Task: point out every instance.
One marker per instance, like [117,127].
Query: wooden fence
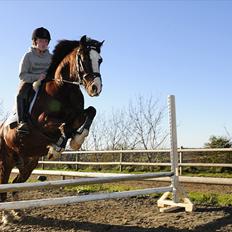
[182,152]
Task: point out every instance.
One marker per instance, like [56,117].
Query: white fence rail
[181,163]
[182,179]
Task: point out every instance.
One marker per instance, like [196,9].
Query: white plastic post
[178,194]
[173,146]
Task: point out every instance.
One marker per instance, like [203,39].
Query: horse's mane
[62,49]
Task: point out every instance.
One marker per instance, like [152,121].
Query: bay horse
[58,112]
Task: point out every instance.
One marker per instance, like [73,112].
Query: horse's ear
[83,40]
[101,43]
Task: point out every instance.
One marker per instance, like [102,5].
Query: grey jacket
[33,64]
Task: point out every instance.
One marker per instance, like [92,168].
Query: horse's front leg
[83,129]
[78,130]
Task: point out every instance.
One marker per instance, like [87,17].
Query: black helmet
[41,33]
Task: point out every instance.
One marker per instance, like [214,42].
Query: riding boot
[21,108]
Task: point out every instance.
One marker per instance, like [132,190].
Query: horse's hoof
[17,215]
[75,146]
[78,140]
[53,153]
[50,156]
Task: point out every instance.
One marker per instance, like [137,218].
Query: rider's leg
[22,108]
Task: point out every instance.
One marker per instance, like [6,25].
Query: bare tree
[228,134]
[112,130]
[146,122]
[96,138]
[137,126]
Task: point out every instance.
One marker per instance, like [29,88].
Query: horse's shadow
[89,226]
[75,225]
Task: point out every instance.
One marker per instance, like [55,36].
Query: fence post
[42,163]
[173,143]
[77,159]
[120,161]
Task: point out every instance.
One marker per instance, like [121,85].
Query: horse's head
[78,62]
[88,61]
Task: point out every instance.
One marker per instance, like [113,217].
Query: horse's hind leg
[6,216]
[24,173]
[6,165]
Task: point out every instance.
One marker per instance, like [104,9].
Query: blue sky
[151,48]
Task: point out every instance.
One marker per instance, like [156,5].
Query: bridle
[81,67]
[82,70]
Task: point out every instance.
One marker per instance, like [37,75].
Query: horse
[58,113]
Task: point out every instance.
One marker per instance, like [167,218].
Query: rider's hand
[42,76]
[36,85]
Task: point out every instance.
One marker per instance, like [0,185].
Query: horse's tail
[2,132]
[3,164]
[1,146]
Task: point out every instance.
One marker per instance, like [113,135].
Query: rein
[71,82]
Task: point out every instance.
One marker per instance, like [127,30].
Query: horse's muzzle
[95,88]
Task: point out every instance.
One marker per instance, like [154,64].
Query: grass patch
[91,170]
[100,188]
[211,199]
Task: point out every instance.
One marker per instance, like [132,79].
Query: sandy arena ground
[137,214]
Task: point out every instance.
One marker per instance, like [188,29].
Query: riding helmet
[41,33]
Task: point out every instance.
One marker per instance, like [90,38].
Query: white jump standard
[178,197]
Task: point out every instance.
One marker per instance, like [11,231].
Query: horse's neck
[67,69]
[52,90]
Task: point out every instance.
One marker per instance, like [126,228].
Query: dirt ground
[137,214]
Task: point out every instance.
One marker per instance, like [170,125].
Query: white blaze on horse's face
[96,86]
[95,57]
